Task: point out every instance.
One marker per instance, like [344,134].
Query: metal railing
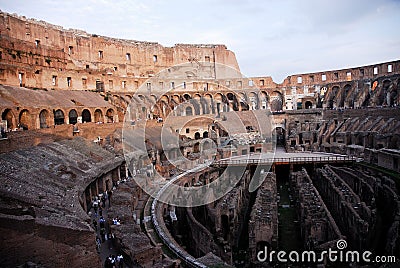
[287,160]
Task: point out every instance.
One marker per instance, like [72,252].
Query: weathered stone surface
[42,219]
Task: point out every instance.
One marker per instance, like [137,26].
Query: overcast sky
[270,38]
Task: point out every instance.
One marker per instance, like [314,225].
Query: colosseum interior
[69,99]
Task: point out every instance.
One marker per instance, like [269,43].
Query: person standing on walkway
[120,261]
[109,197]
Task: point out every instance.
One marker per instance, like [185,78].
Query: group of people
[116,221]
[113,261]
[100,225]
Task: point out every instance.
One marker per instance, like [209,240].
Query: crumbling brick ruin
[67,96]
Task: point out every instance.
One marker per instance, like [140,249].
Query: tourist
[116,221]
[95,224]
[102,222]
[109,198]
[120,261]
[103,235]
[103,199]
[98,243]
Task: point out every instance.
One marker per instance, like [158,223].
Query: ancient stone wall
[38,54]
[263,222]
[318,227]
[43,207]
[354,217]
[377,207]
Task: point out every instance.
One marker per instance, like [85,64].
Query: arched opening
[308,105]
[196,147]
[386,93]
[98,116]
[393,95]
[207,144]
[233,103]
[73,117]
[86,116]
[187,97]
[110,115]
[196,105]
[244,106]
[331,97]
[276,101]
[188,111]
[9,117]
[25,119]
[280,136]
[347,90]
[264,100]
[59,117]
[205,134]
[206,104]
[253,101]
[44,118]
[197,135]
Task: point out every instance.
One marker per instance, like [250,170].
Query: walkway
[107,246]
[281,158]
[162,230]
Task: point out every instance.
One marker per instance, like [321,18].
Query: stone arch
[205,134]
[386,92]
[276,101]
[207,104]
[44,118]
[98,116]
[129,97]
[341,95]
[73,117]
[330,99]
[280,134]
[393,94]
[264,100]
[220,103]
[25,120]
[308,104]
[86,116]
[253,101]
[110,115]
[196,106]
[197,96]
[197,136]
[196,146]
[165,105]
[206,144]
[155,110]
[243,101]
[187,96]
[153,98]
[347,100]
[9,116]
[59,117]
[233,101]
[188,111]
[196,102]
[176,98]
